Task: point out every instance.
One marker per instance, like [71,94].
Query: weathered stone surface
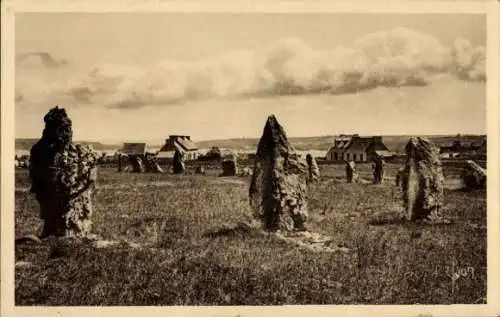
[351,173]
[473,175]
[378,170]
[63,178]
[178,163]
[313,169]
[120,162]
[152,165]
[156,167]
[229,166]
[137,164]
[278,190]
[423,180]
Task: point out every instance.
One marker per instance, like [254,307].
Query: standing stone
[154,167]
[119,157]
[423,180]
[473,175]
[151,164]
[399,176]
[313,169]
[351,173]
[63,178]
[378,170]
[229,166]
[178,163]
[278,190]
[137,164]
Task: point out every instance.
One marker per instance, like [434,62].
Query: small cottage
[336,152]
[463,149]
[357,149]
[132,149]
[181,143]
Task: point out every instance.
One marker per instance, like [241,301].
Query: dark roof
[181,144]
[457,146]
[356,143]
[341,142]
[134,148]
[360,144]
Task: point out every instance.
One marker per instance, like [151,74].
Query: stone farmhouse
[464,149]
[132,149]
[357,149]
[181,143]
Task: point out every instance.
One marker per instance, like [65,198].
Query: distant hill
[302,143]
[395,143]
[26,144]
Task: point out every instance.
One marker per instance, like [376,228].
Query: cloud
[38,59]
[468,61]
[393,58]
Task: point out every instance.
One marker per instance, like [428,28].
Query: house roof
[460,146]
[360,144]
[134,148]
[180,144]
[356,143]
[341,144]
[187,144]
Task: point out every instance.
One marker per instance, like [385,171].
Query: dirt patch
[224,180]
[312,241]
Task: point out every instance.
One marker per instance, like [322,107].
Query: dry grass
[191,261]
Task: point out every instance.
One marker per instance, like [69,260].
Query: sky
[133,76]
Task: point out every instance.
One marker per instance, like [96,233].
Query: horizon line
[107,141]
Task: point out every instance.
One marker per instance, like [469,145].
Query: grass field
[391,262]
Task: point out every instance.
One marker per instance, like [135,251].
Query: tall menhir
[278,191]
[63,176]
[423,180]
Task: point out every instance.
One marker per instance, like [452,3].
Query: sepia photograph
[250,158]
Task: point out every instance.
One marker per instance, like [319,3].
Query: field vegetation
[177,248]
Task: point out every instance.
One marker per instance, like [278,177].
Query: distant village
[359,149]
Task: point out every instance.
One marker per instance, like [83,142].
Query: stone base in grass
[311,241]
